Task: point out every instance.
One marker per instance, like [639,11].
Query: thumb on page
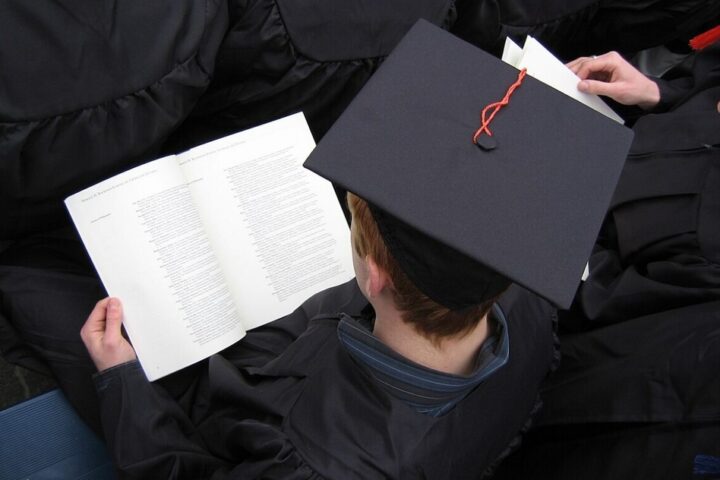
[597,87]
[113,321]
[112,349]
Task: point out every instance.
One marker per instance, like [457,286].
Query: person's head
[462,216]
[430,319]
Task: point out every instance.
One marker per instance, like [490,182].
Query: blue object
[707,465]
[43,438]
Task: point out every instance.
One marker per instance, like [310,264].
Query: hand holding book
[102,335]
[215,241]
[544,66]
[612,76]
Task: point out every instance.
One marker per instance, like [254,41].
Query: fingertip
[99,311]
[583,86]
[583,71]
[113,307]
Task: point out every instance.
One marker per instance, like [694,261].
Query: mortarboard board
[527,206]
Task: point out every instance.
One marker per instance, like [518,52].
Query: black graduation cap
[528,205]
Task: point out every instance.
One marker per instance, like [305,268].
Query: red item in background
[705,39]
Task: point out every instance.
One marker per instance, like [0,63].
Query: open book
[544,66]
[222,238]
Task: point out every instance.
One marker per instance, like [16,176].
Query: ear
[377,279]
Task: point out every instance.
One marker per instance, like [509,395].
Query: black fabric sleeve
[671,92]
[147,432]
[700,72]
[151,434]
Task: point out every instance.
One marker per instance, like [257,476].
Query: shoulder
[532,324]
[521,305]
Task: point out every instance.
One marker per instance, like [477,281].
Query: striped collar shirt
[428,391]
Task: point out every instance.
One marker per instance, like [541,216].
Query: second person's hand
[612,76]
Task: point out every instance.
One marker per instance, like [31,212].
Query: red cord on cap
[484,127]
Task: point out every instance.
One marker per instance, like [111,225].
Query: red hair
[429,318]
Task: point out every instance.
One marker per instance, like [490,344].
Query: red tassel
[485,121]
[705,39]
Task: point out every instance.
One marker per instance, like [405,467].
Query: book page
[276,227]
[544,66]
[150,249]
[512,53]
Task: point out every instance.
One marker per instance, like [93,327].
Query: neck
[454,355]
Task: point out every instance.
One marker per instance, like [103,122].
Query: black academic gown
[288,401]
[637,394]
[109,86]
[660,247]
[572,28]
